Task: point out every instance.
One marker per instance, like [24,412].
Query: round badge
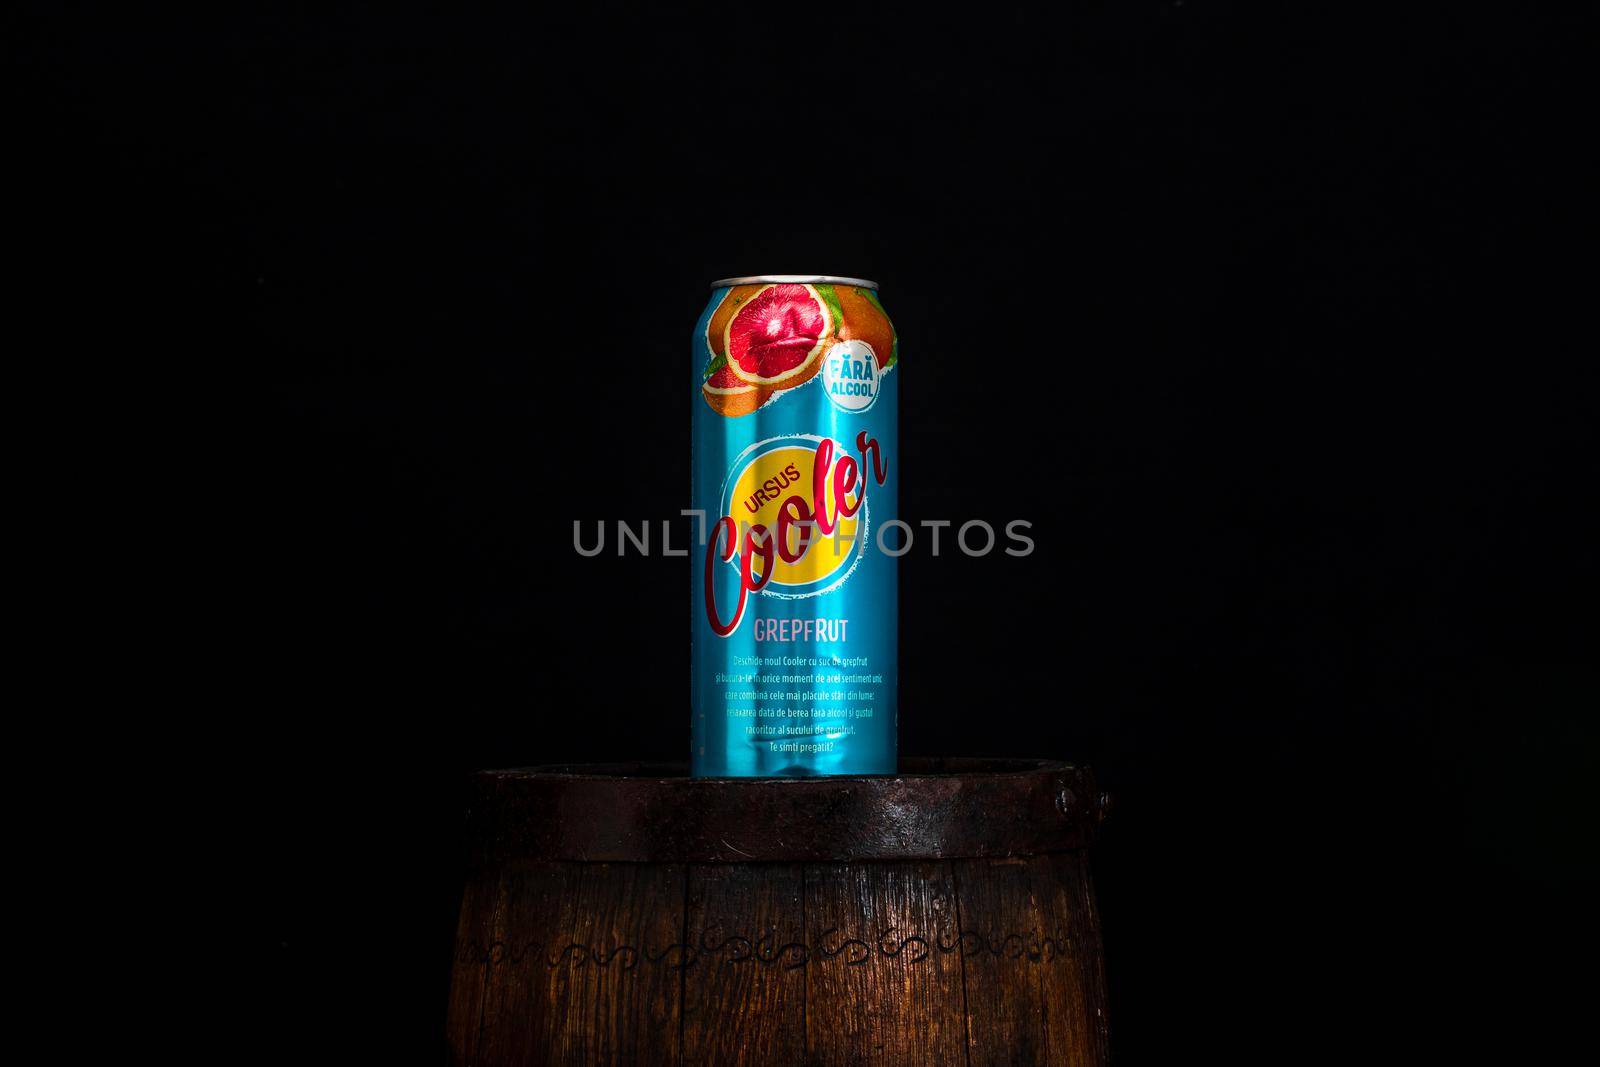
[850,376]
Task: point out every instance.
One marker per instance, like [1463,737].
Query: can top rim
[793,279]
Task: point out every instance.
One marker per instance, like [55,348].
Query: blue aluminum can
[794,580]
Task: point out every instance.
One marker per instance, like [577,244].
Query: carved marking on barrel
[848,946]
[765,950]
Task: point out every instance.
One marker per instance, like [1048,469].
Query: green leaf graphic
[831,298]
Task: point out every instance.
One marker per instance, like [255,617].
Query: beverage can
[795,462]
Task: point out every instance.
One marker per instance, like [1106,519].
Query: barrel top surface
[653,813]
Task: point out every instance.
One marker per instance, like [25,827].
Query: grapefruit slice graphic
[732,396]
[717,327]
[777,337]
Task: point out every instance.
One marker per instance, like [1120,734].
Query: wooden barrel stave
[740,998]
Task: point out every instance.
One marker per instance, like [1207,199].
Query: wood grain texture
[878,989]
[745,996]
[1031,954]
[514,1005]
[1072,877]
[1004,1001]
[570,981]
[475,932]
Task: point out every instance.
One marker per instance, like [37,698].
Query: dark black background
[1272,322]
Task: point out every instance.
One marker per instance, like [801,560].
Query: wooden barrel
[633,915]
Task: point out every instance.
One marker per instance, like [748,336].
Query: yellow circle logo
[782,481]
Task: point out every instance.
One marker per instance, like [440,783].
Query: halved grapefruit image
[765,339]
[777,337]
[732,396]
[717,326]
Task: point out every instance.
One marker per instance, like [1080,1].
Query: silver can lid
[793,279]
